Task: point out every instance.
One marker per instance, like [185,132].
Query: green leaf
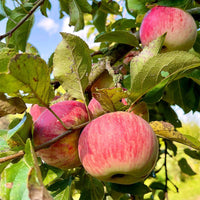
[85,6]
[28,78]
[195,75]
[171,146]
[2,167]
[76,15]
[11,105]
[185,4]
[147,76]
[137,6]
[147,53]
[110,7]
[110,99]
[36,187]
[184,93]
[119,36]
[89,188]
[2,13]
[11,186]
[122,24]
[61,187]
[72,65]
[167,131]
[192,153]
[157,186]
[3,144]
[5,55]
[43,8]
[65,194]
[196,45]
[185,167]
[19,38]
[23,180]
[18,135]
[99,20]
[163,111]
[134,189]
[31,49]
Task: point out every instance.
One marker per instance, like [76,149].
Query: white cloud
[48,25]
[189,117]
[82,33]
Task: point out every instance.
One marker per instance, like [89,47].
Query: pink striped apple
[64,153]
[179,25]
[95,108]
[118,147]
[36,111]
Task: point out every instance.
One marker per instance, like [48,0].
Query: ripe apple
[36,111]
[63,153]
[95,108]
[118,147]
[179,25]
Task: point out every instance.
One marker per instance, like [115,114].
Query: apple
[95,108]
[179,25]
[63,153]
[36,111]
[118,147]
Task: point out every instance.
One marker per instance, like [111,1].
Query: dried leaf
[11,105]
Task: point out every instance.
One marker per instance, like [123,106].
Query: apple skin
[180,27]
[62,154]
[118,147]
[95,108]
[36,111]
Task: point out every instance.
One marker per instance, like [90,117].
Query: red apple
[36,111]
[95,108]
[64,153]
[179,25]
[118,147]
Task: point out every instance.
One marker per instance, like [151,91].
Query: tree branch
[166,172]
[44,145]
[9,33]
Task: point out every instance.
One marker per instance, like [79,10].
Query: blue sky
[45,36]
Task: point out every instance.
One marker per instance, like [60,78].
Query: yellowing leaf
[167,131]
[110,99]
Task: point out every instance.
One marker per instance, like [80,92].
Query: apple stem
[58,118]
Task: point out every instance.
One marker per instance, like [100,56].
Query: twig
[9,33]
[96,53]
[11,157]
[52,141]
[44,145]
[58,118]
[166,172]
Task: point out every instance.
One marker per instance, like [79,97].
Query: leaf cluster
[121,75]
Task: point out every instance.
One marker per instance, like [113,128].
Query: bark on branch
[44,145]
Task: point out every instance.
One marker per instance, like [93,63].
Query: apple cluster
[118,147]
